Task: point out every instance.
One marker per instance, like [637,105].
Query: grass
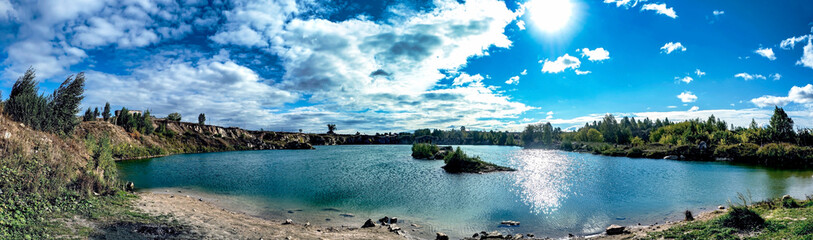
[46,180]
[772,219]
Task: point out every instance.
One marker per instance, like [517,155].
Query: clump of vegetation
[458,162]
[174,117]
[424,150]
[54,113]
[466,136]
[773,219]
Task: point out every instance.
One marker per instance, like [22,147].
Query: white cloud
[671,106]
[561,63]
[513,80]
[685,79]
[694,109]
[7,11]
[687,97]
[580,72]
[699,73]
[216,86]
[660,9]
[767,53]
[521,24]
[597,54]
[549,115]
[465,78]
[790,43]
[524,72]
[718,12]
[54,35]
[748,76]
[624,3]
[807,55]
[800,95]
[775,76]
[672,46]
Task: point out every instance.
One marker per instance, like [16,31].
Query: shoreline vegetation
[456,160]
[59,178]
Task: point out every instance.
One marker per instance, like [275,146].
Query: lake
[553,193]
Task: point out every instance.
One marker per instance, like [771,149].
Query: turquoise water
[553,193]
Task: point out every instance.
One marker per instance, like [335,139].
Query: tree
[24,104]
[174,117]
[146,123]
[65,104]
[88,116]
[95,113]
[201,119]
[106,112]
[780,129]
[331,128]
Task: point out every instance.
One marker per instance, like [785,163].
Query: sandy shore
[214,222]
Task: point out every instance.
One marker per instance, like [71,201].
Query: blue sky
[374,66]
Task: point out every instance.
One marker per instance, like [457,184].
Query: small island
[456,160]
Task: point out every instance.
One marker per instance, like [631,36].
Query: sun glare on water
[549,15]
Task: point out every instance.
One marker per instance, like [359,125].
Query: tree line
[753,144]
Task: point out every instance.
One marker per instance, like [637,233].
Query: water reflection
[542,180]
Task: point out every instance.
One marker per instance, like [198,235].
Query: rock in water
[129,186]
[385,219]
[615,230]
[441,236]
[369,223]
[786,197]
[510,223]
[721,207]
[394,220]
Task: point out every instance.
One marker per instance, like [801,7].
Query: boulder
[130,186]
[786,197]
[721,207]
[288,222]
[393,228]
[393,220]
[491,235]
[385,219]
[441,236]
[671,157]
[369,223]
[615,230]
[510,223]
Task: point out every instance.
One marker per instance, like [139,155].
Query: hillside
[183,137]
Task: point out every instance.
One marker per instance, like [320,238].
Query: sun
[549,15]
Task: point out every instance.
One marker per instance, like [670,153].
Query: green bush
[742,218]
[424,150]
[789,203]
[785,155]
[743,152]
[804,229]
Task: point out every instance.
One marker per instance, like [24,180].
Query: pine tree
[106,112]
[201,119]
[146,122]
[24,104]
[65,104]
[88,116]
[96,113]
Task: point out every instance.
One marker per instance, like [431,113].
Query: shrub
[174,117]
[567,146]
[804,229]
[743,152]
[785,155]
[424,150]
[742,218]
[789,203]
